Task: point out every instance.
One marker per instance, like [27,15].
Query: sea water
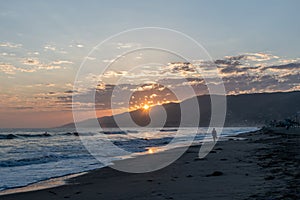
[32,155]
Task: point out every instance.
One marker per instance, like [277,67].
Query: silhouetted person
[214,134]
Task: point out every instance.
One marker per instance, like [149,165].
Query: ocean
[32,155]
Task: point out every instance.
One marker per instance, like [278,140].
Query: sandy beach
[265,165]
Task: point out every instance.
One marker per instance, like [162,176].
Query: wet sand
[266,165]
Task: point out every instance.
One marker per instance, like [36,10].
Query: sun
[146,107]
[150,151]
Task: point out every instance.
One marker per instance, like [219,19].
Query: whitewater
[31,155]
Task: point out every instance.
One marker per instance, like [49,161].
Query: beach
[255,165]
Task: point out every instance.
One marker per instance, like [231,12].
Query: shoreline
[63,180]
[232,168]
[44,184]
[68,178]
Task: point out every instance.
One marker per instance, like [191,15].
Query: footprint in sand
[215,173]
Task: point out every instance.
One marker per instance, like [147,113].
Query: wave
[71,134]
[169,130]
[17,135]
[34,135]
[30,161]
[35,160]
[141,144]
[7,136]
[113,132]
[42,135]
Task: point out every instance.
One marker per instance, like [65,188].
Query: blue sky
[43,43]
[223,27]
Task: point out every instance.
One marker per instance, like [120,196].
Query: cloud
[147,87]
[28,65]
[11,69]
[228,62]
[183,68]
[41,85]
[8,54]
[49,47]
[252,57]
[59,62]
[7,68]
[111,74]
[52,47]
[234,58]
[290,66]
[30,61]
[194,81]
[48,67]
[69,92]
[50,85]
[76,44]
[121,45]
[250,72]
[36,65]
[149,93]
[260,56]
[240,74]
[287,61]
[79,45]
[10,45]
[248,63]
[36,53]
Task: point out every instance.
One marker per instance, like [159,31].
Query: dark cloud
[291,79]
[69,92]
[232,69]
[235,58]
[65,99]
[146,93]
[180,67]
[237,76]
[291,66]
[228,62]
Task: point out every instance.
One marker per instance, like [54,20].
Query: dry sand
[264,166]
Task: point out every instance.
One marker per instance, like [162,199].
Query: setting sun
[150,151]
[146,107]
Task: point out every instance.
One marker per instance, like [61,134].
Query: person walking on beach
[214,134]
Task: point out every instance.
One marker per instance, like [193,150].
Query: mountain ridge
[242,110]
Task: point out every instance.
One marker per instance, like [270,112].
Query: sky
[254,46]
